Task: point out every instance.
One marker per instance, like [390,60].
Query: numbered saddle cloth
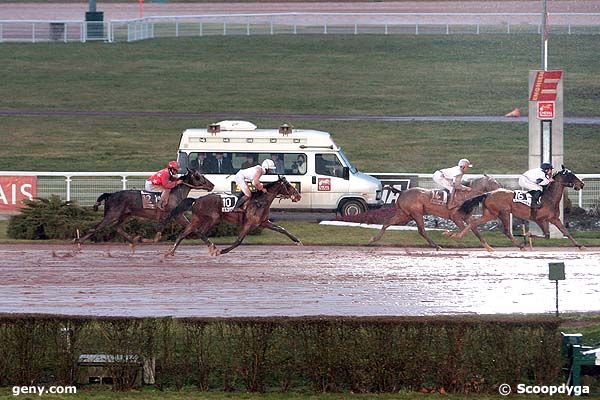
[439,196]
[523,197]
[150,200]
[228,201]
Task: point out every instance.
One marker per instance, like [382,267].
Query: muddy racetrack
[290,280]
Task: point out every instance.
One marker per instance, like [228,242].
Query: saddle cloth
[228,201]
[439,196]
[150,200]
[523,197]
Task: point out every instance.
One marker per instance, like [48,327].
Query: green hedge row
[370,354]
[53,218]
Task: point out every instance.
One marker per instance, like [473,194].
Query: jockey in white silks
[252,174]
[534,180]
[451,178]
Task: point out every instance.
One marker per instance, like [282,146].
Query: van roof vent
[236,126]
[285,129]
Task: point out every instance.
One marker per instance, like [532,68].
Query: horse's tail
[468,206]
[99,200]
[182,207]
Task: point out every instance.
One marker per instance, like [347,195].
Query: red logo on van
[15,189]
[324,185]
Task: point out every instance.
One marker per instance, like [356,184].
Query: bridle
[199,187]
[287,194]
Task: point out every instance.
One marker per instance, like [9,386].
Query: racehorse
[500,204]
[207,212]
[414,203]
[121,205]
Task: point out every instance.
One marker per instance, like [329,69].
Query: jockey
[163,181]
[253,175]
[450,178]
[534,181]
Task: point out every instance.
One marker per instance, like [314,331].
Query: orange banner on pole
[545,85]
[15,189]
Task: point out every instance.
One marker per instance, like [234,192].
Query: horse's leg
[485,217]
[557,222]
[192,226]
[460,223]
[399,218]
[106,221]
[181,220]
[243,233]
[504,217]
[270,225]
[421,227]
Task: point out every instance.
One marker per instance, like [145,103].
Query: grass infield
[348,75]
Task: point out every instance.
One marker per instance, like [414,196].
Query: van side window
[328,164]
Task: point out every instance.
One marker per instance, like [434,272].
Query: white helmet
[268,164]
[465,163]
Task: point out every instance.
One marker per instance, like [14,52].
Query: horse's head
[484,184]
[567,178]
[281,187]
[197,181]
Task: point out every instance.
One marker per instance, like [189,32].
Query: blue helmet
[546,166]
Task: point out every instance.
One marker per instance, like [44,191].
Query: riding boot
[164,201]
[451,200]
[241,204]
[535,198]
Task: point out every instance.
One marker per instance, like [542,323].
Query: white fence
[85,187]
[296,23]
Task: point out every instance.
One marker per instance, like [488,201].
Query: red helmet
[173,165]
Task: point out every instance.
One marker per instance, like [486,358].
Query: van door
[328,181]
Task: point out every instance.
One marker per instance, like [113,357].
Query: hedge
[53,218]
[328,354]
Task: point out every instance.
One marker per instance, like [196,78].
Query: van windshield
[353,169]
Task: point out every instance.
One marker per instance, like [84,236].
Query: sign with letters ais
[15,189]
[545,110]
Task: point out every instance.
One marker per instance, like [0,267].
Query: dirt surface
[129,10]
[290,280]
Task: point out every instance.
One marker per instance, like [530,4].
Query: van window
[328,164]
[208,163]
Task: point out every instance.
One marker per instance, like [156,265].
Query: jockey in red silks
[163,181]
[253,175]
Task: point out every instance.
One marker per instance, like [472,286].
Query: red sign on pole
[545,110]
[544,86]
[15,189]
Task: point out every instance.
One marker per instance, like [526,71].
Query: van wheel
[352,207]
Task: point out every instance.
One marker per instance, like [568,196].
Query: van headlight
[378,194]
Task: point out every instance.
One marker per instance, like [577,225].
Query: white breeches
[439,178]
[149,187]
[241,182]
[526,184]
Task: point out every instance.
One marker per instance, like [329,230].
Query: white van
[309,159]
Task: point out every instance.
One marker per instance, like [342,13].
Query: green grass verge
[312,233]
[370,74]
